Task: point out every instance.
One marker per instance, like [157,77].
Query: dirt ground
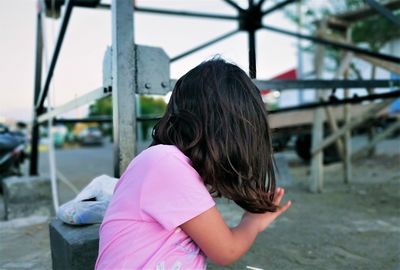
[353,226]
[347,226]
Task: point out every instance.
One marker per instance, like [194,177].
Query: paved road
[25,244]
[80,165]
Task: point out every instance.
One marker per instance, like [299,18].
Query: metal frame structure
[384,12]
[124,85]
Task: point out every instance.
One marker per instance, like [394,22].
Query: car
[90,136]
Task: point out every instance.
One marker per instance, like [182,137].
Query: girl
[214,140]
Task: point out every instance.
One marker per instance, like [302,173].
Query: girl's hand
[262,221]
[224,245]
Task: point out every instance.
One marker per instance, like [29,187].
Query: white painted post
[316,181]
[124,84]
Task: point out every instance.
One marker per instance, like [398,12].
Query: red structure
[288,75]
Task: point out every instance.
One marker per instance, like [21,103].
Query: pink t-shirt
[157,193]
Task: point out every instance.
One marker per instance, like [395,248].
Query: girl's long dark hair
[217,118]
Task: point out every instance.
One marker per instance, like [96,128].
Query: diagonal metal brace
[384,12]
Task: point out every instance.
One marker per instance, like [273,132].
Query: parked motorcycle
[12,152]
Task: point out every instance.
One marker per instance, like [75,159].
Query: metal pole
[204,45]
[33,166]
[325,84]
[124,84]
[346,100]
[252,54]
[56,52]
[384,12]
[334,44]
[260,3]
[234,5]
[278,6]
[299,70]
[186,13]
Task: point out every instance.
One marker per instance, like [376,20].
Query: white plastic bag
[90,204]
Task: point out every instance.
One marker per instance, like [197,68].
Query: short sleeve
[174,193]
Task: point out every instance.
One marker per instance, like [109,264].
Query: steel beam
[278,6]
[177,13]
[56,52]
[365,12]
[204,45]
[384,12]
[311,105]
[260,3]
[324,84]
[333,44]
[107,119]
[234,5]
[102,119]
[252,54]
[75,103]
[94,119]
[186,13]
[335,102]
[33,165]
[124,84]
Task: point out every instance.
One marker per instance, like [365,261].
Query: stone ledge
[27,195]
[73,247]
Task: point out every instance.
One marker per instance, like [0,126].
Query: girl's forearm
[242,238]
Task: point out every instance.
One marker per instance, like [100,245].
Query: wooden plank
[317,175]
[380,63]
[347,169]
[375,61]
[371,130]
[355,123]
[334,127]
[382,135]
[305,117]
[342,69]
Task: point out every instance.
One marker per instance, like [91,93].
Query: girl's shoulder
[156,154]
[165,150]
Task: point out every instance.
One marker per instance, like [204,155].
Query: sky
[79,67]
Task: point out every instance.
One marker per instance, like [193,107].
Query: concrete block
[73,247]
[27,195]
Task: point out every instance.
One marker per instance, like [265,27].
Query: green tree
[149,106]
[102,108]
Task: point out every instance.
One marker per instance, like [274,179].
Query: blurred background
[339,225]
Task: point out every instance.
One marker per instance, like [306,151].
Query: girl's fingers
[284,207]
[278,195]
